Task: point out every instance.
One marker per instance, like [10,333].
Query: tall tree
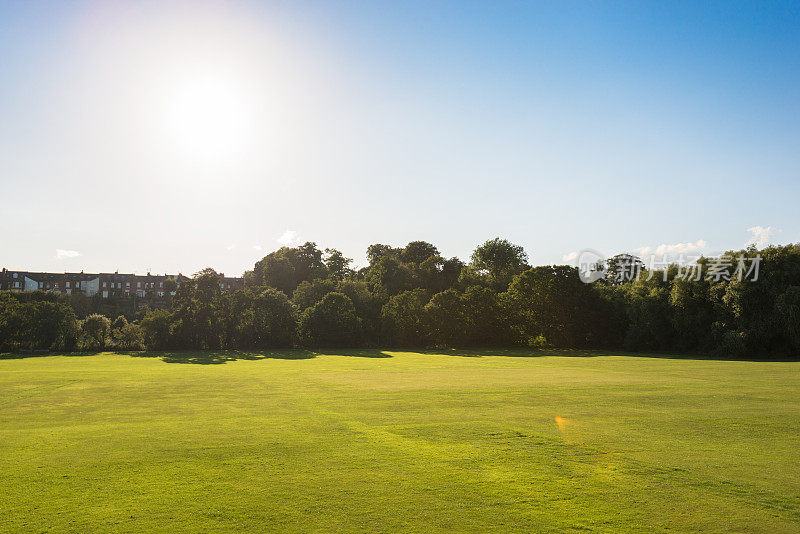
[418,251]
[285,268]
[338,266]
[498,261]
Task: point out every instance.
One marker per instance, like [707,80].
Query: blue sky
[142,137]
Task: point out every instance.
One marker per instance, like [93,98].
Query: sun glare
[207,120]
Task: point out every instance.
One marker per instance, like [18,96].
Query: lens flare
[561,422]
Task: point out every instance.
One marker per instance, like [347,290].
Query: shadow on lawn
[216,357]
[42,354]
[511,353]
[592,353]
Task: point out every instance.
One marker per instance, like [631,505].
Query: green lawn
[389,441]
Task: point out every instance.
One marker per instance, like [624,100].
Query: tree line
[412,297]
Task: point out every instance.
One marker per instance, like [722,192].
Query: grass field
[388,441]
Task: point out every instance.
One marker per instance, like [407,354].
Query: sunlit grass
[386,441]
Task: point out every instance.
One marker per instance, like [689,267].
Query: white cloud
[760,237]
[62,254]
[288,238]
[677,248]
[257,247]
[231,246]
[566,258]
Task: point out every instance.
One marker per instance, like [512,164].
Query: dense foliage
[414,297]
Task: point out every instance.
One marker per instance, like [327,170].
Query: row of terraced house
[104,284]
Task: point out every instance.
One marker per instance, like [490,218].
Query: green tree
[485,322]
[130,337]
[338,266]
[94,332]
[267,320]
[623,268]
[650,319]
[378,251]
[155,327]
[309,293]
[332,322]
[197,321]
[368,309]
[388,276]
[417,252]
[497,261]
[692,313]
[285,268]
[403,319]
[36,321]
[552,302]
[444,319]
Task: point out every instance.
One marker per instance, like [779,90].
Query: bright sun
[207,121]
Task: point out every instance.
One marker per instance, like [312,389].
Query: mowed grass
[377,441]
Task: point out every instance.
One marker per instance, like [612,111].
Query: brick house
[104,284]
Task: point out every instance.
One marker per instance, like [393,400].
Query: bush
[130,337]
[155,329]
[94,332]
[35,322]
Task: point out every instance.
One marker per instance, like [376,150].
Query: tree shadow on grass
[356,353]
[216,357]
[519,352]
[42,354]
[593,353]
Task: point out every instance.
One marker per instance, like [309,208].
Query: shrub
[155,329]
[130,337]
[31,323]
[94,332]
